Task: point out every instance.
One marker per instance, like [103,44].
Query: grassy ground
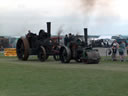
[51,78]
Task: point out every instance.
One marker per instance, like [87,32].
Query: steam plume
[98,11]
[88,5]
[60,30]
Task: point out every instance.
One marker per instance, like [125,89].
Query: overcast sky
[101,17]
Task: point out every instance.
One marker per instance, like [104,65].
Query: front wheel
[42,54]
[56,55]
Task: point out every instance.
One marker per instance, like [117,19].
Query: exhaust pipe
[49,29]
[86,36]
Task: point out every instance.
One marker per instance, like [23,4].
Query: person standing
[122,50]
[115,47]
[66,40]
[70,37]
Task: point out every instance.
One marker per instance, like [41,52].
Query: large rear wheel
[22,49]
[65,55]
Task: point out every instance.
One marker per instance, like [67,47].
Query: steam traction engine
[41,45]
[79,51]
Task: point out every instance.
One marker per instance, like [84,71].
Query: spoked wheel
[22,49]
[65,55]
[42,54]
[56,55]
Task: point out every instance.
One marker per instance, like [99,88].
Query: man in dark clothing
[66,40]
[70,37]
[122,50]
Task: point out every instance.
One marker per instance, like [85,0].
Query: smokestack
[49,29]
[86,36]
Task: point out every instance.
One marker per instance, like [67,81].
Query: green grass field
[51,78]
